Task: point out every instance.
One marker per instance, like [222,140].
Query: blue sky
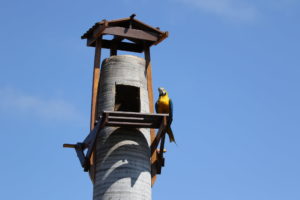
[232,68]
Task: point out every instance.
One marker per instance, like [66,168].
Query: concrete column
[122,163]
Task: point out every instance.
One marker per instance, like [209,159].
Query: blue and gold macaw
[164,105]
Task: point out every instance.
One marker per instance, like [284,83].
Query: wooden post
[151,109]
[96,78]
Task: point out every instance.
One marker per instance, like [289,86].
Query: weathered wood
[129,124]
[161,160]
[90,161]
[144,26]
[96,77]
[163,36]
[123,119]
[151,107]
[123,46]
[134,34]
[93,133]
[158,150]
[99,31]
[162,145]
[69,145]
[149,79]
[124,22]
[131,33]
[160,133]
[79,147]
[136,114]
[114,46]
[128,119]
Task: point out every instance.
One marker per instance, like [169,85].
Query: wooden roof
[139,33]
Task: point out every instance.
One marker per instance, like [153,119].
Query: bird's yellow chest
[163,104]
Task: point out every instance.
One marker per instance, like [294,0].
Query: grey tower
[122,157]
[122,161]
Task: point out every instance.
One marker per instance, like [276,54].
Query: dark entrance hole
[127,98]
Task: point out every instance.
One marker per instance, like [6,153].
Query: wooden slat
[121,22]
[119,116]
[148,26]
[122,119]
[130,124]
[123,46]
[69,145]
[131,33]
[132,114]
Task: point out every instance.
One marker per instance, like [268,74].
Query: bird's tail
[171,135]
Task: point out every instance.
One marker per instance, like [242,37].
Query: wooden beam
[114,46]
[147,26]
[131,33]
[149,78]
[99,30]
[162,146]
[123,32]
[126,119]
[96,77]
[137,114]
[151,107]
[160,133]
[80,154]
[123,46]
[69,145]
[149,86]
[90,141]
[130,124]
[163,36]
[113,52]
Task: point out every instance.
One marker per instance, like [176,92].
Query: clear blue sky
[232,68]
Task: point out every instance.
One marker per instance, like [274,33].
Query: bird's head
[162,91]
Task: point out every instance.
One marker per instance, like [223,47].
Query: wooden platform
[132,119]
[128,120]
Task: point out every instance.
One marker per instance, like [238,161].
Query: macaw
[164,105]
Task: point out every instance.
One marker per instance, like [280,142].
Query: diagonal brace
[88,143]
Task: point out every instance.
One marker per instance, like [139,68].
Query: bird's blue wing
[156,107]
[171,109]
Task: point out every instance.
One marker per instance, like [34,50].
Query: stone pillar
[122,162]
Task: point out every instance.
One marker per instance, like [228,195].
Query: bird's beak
[161,91]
